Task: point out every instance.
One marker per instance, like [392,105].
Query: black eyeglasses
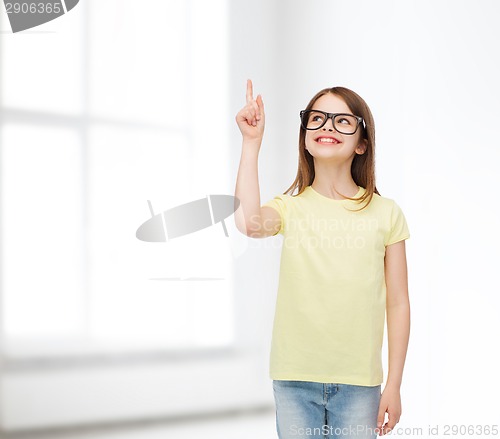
[344,123]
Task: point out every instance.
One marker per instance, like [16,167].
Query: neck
[333,178]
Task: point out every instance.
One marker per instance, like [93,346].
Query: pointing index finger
[249,91]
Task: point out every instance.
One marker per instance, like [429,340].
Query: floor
[242,425]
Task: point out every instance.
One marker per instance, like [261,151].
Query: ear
[361,148]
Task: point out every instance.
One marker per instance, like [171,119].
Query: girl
[343,266]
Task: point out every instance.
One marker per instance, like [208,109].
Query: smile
[327,140]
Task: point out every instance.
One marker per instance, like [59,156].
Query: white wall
[429,71]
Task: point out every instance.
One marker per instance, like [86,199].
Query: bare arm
[398,310]
[250,218]
[398,329]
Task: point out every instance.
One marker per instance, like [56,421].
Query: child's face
[343,146]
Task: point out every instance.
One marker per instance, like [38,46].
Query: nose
[329,121]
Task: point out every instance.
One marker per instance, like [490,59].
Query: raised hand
[251,118]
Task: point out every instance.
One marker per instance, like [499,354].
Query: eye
[316,117]
[344,121]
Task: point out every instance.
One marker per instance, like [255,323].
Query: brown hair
[362,167]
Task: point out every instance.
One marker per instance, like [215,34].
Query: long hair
[362,167]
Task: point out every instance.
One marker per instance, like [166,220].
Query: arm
[250,218]
[398,331]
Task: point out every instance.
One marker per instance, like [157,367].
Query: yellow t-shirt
[330,308]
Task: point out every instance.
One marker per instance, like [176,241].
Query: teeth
[327,140]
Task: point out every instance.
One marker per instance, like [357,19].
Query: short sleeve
[398,227]
[279,203]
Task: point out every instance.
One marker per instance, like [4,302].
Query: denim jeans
[306,409]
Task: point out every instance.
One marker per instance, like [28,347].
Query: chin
[333,155]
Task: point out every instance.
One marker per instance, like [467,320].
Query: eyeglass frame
[332,116]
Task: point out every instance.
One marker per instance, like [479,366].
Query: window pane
[43,70]
[42,231]
[136,295]
[150,65]
[209,79]
[138,66]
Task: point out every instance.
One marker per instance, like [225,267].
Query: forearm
[247,188]
[398,329]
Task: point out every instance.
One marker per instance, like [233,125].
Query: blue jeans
[307,409]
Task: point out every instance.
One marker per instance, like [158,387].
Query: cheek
[351,142]
[309,140]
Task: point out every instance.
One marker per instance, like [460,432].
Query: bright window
[101,112]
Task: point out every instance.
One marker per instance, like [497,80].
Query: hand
[251,118]
[390,402]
